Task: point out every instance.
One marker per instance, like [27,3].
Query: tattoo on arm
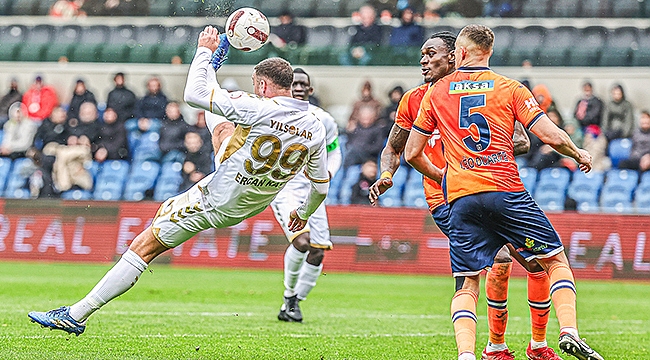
[390,156]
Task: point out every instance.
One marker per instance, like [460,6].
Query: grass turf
[181,313]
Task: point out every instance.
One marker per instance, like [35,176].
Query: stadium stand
[619,149]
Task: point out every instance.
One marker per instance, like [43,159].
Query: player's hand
[379,187]
[584,160]
[209,38]
[295,222]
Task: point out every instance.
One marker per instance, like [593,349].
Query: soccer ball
[247,29]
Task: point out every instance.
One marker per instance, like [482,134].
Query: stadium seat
[38,38]
[77,195]
[588,49]
[91,41]
[528,176]
[168,182]
[273,8]
[535,8]
[17,181]
[350,6]
[5,166]
[595,8]
[244,3]
[120,41]
[615,201]
[159,7]
[177,38]
[328,8]
[24,7]
[619,149]
[43,7]
[627,8]
[147,148]
[350,177]
[414,191]
[558,176]
[619,47]
[188,8]
[11,40]
[110,180]
[64,40]
[303,8]
[645,178]
[393,196]
[5,8]
[503,36]
[642,198]
[525,45]
[549,198]
[584,189]
[147,39]
[557,45]
[141,179]
[334,189]
[564,8]
[624,179]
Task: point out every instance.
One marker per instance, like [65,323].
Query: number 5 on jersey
[466,120]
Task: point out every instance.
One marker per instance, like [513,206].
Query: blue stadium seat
[624,179]
[584,189]
[350,177]
[110,180]
[76,195]
[619,149]
[550,198]
[146,147]
[5,166]
[645,178]
[169,181]
[393,196]
[642,198]
[16,181]
[615,201]
[64,40]
[558,175]
[142,178]
[528,176]
[414,191]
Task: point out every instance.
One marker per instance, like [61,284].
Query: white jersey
[273,141]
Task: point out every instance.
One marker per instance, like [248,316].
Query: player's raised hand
[209,38]
[379,187]
[584,162]
[296,223]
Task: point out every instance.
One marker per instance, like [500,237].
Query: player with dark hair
[438,61]
[475,111]
[276,137]
[304,256]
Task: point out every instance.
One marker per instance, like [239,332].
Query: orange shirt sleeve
[426,121]
[525,107]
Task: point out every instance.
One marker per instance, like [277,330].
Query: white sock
[466,356]
[538,344]
[571,330]
[116,282]
[307,279]
[293,260]
[495,347]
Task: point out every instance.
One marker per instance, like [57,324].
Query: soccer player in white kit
[276,137]
[304,256]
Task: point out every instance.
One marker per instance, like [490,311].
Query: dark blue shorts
[441,217]
[482,223]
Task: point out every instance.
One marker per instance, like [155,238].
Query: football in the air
[247,29]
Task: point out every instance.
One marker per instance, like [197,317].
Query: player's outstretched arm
[559,140]
[520,139]
[414,155]
[390,161]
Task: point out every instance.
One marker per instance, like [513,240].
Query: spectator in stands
[409,33]
[367,177]
[365,139]
[544,98]
[153,104]
[197,163]
[595,142]
[618,121]
[40,100]
[640,154]
[19,132]
[201,128]
[288,33]
[121,99]
[394,96]
[172,133]
[367,34]
[69,167]
[112,143]
[53,129]
[80,95]
[589,109]
[67,9]
[86,125]
[8,99]
[367,100]
[39,182]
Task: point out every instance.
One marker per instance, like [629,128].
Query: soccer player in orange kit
[475,111]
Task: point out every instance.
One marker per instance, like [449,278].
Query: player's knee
[315,256]
[301,242]
[503,256]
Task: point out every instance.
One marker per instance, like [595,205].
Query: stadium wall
[366,239]
[336,86]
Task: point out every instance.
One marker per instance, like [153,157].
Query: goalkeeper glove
[221,54]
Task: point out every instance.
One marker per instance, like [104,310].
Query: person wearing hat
[11,97]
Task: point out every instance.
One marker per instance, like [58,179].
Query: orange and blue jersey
[407,112]
[475,111]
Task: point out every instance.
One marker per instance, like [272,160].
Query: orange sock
[563,293]
[463,315]
[539,301]
[496,290]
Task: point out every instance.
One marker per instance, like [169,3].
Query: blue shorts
[482,223]
[441,217]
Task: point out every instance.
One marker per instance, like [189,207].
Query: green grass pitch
[181,313]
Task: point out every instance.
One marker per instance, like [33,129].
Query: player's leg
[318,240]
[294,260]
[496,291]
[463,315]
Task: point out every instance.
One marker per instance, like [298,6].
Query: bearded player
[244,184]
[438,61]
[475,110]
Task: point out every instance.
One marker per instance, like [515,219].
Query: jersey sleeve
[524,105]
[426,121]
[403,117]
[203,91]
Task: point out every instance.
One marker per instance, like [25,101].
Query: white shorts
[184,215]
[289,199]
